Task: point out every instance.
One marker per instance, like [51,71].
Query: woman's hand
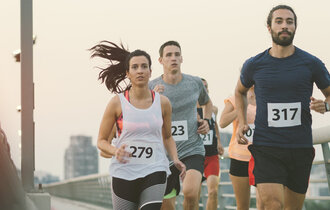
[122,155]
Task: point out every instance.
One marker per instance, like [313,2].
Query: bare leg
[293,200]
[271,196]
[212,190]
[259,203]
[191,185]
[241,188]
[168,204]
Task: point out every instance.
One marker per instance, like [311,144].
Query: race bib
[249,134]
[284,114]
[180,130]
[142,153]
[207,138]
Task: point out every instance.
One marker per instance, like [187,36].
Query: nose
[284,25]
[173,57]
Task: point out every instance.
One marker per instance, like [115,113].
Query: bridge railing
[95,189]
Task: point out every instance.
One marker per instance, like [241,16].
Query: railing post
[326,157]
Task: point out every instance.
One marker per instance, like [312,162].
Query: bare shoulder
[164,101]
[114,105]
[165,104]
[215,110]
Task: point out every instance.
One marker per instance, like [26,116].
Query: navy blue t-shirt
[283,87]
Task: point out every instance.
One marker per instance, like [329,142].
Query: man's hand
[159,88]
[181,167]
[220,149]
[317,105]
[242,129]
[203,127]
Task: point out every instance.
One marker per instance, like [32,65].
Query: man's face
[283,27]
[171,59]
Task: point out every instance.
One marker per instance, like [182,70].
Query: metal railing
[96,189]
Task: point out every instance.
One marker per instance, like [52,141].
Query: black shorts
[239,168]
[192,162]
[137,193]
[288,166]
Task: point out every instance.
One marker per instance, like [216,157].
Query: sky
[216,37]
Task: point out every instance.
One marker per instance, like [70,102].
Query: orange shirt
[240,151]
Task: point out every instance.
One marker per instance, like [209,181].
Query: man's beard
[285,41]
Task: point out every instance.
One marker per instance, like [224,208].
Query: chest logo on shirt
[284,114]
[180,130]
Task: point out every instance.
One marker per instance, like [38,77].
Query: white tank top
[142,132]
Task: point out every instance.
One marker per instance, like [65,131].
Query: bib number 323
[284,114]
[180,130]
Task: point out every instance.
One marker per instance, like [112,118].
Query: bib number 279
[142,153]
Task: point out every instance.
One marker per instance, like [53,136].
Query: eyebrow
[280,18]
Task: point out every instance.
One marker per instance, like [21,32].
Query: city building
[81,157]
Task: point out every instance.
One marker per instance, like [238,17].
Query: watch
[208,122]
[327,106]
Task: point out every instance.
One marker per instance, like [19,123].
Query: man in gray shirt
[184,91]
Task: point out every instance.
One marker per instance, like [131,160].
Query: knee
[190,195]
[213,193]
[272,204]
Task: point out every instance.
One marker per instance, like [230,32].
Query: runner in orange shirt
[239,153]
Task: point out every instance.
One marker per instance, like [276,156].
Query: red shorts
[211,166]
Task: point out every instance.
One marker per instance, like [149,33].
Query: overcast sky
[216,38]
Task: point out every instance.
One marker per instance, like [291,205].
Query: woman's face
[139,71]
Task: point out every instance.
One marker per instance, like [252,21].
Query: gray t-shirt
[184,97]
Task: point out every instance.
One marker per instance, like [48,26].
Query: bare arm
[228,115]
[241,105]
[217,132]
[168,140]
[111,113]
[208,109]
[317,104]
[105,154]
[204,126]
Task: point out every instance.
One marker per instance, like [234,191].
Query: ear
[160,60]
[269,29]
[127,75]
[150,73]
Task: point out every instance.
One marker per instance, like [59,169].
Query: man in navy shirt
[283,77]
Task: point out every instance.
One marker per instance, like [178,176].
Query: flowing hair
[115,72]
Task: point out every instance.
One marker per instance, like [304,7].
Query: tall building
[81,157]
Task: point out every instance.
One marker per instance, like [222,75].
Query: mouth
[140,77]
[285,33]
[174,64]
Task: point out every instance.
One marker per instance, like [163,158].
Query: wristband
[327,106]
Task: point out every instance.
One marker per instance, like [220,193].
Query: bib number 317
[284,114]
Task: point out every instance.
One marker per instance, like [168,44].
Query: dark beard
[283,42]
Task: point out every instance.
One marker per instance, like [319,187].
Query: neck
[139,92]
[279,51]
[173,77]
